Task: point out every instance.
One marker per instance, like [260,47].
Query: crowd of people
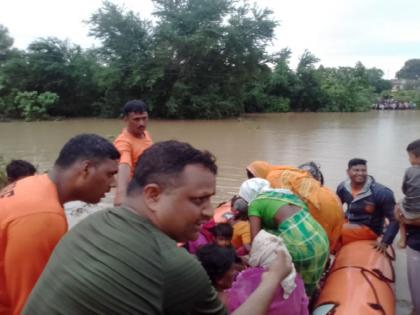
[162,250]
[391,104]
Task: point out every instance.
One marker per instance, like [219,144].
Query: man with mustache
[131,143]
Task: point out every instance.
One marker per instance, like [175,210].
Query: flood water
[330,139]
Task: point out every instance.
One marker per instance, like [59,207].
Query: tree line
[197,59]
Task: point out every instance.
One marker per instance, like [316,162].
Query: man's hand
[381,247]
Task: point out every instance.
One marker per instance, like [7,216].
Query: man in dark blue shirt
[368,204]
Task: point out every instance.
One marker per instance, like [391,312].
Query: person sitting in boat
[282,213]
[205,236]
[229,228]
[307,183]
[223,233]
[219,263]
[368,204]
[241,239]
[15,170]
[234,289]
[18,169]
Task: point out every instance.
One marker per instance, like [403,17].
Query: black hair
[314,169]
[86,147]
[216,260]
[356,161]
[134,106]
[224,230]
[240,207]
[163,162]
[414,147]
[249,174]
[17,169]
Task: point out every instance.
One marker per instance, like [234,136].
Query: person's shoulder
[379,188]
[30,195]
[147,135]
[171,252]
[123,136]
[341,186]
[412,171]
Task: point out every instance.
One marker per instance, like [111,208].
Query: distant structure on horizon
[398,84]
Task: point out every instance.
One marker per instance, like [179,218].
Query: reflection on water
[330,139]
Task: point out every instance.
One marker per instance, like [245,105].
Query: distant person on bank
[126,260]
[131,143]
[32,218]
[368,204]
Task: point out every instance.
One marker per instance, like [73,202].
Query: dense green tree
[210,50]
[375,78]
[65,69]
[34,105]
[6,42]
[346,89]
[307,94]
[410,70]
[198,59]
[127,56]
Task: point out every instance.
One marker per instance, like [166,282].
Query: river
[330,139]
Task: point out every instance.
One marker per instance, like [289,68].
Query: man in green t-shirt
[125,260]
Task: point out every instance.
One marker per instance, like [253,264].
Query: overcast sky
[379,33]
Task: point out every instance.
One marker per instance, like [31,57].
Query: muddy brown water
[330,139]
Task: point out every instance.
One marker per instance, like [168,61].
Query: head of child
[18,169]
[240,209]
[223,233]
[413,150]
[219,263]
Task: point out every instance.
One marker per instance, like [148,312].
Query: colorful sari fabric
[249,279]
[304,237]
[261,169]
[323,204]
[308,245]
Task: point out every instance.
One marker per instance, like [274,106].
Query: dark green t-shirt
[116,262]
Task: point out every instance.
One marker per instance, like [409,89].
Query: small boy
[223,233]
[219,263]
[410,205]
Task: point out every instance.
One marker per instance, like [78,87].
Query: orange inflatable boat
[359,283]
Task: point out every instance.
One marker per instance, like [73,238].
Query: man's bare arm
[123,179]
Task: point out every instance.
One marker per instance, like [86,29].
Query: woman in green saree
[282,213]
